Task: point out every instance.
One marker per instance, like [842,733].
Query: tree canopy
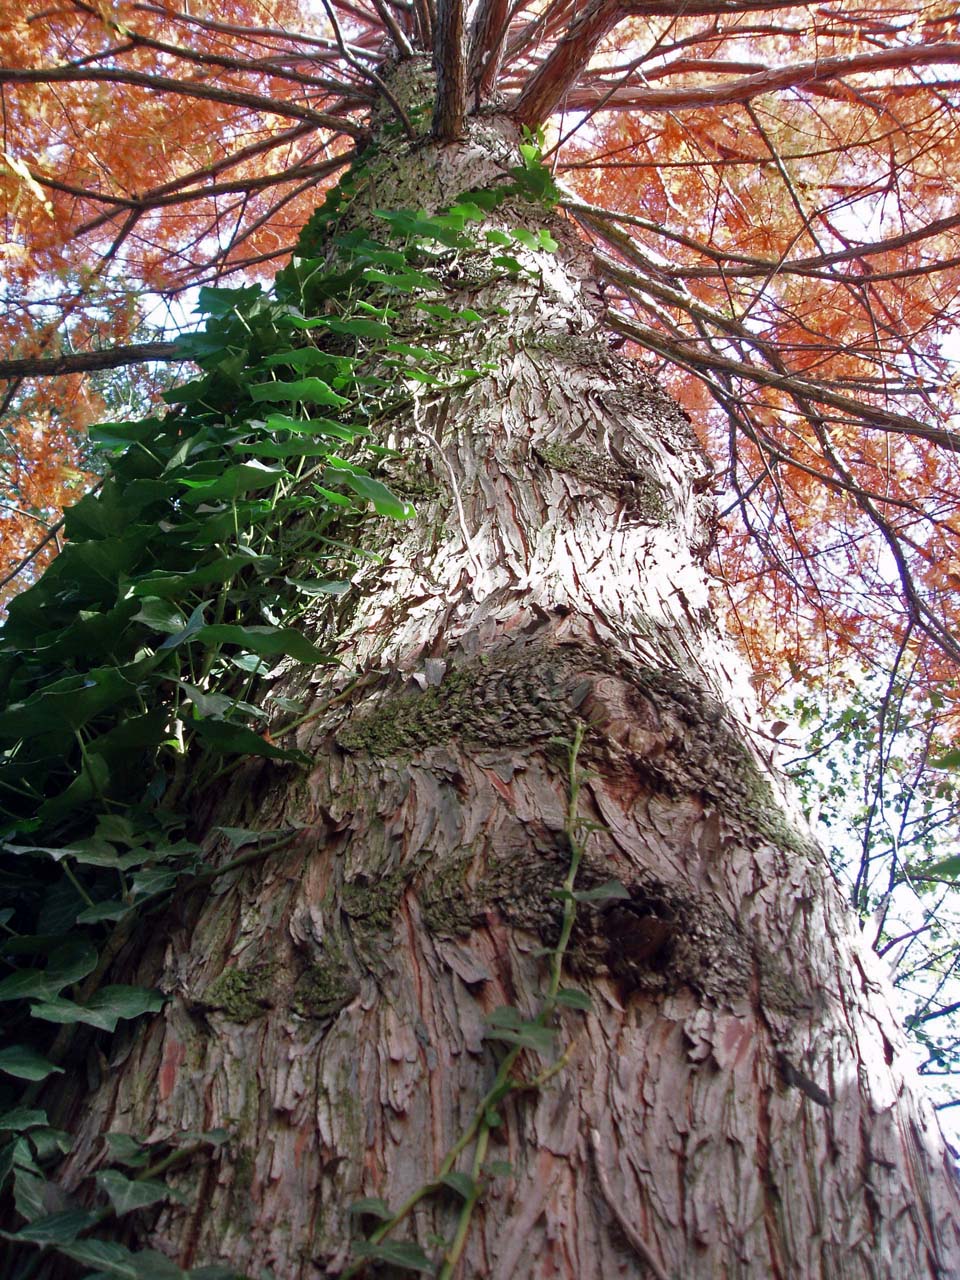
[763,184]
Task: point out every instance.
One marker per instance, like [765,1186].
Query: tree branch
[448,56]
[183,88]
[88,361]
[488,35]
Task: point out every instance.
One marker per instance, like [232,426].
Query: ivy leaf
[243,478]
[222,302]
[508,1024]
[55,1228]
[104,1008]
[236,739]
[601,892]
[311,390]
[324,587]
[461,1183]
[374,1206]
[127,1150]
[26,1064]
[268,642]
[113,1259]
[313,426]
[399,1253]
[21,1119]
[573,998]
[126,1194]
[385,503]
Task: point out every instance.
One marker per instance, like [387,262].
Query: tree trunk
[738,1101]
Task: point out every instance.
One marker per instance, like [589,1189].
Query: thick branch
[800,75]
[562,68]
[488,34]
[88,361]
[448,53]
[185,88]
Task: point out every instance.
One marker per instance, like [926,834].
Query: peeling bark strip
[739,1103]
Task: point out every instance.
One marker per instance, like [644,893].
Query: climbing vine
[225,544]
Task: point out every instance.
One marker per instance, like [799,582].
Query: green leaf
[573,998]
[270,642]
[949,760]
[406,282]
[56,1228]
[313,426]
[312,390]
[374,1206]
[103,911]
[114,1259]
[26,1064]
[126,1194]
[103,1009]
[67,963]
[507,1024]
[128,1150]
[29,1194]
[165,586]
[221,302]
[946,869]
[610,889]
[232,482]
[67,704]
[527,238]
[461,1183]
[21,1118]
[399,1253]
[236,739]
[385,503]
[303,359]
[323,587]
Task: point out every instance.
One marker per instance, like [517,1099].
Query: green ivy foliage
[131,672]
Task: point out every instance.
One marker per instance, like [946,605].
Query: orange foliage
[776,227]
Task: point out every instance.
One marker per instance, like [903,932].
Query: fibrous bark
[739,1103]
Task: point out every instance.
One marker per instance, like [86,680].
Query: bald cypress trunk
[737,1101]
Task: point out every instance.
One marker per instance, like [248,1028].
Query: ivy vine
[133,673]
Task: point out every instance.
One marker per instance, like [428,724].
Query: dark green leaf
[461,1183]
[266,641]
[385,502]
[128,1150]
[373,1205]
[573,998]
[29,1194]
[114,1259]
[56,1228]
[127,1194]
[221,302]
[26,1064]
[399,1253]
[309,390]
[610,889]
[243,478]
[236,739]
[22,1118]
[103,1009]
